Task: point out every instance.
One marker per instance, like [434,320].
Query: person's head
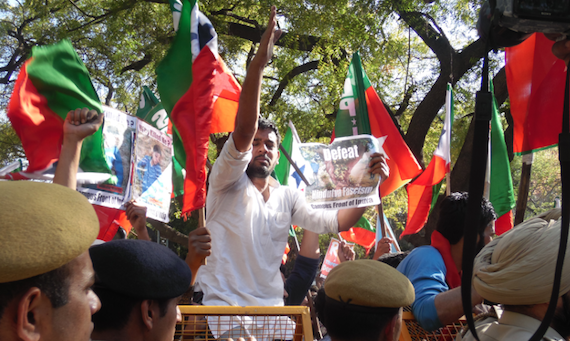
[393,258]
[265,149]
[45,270]
[362,300]
[156,154]
[517,270]
[452,214]
[139,283]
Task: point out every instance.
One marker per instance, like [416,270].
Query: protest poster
[338,174]
[118,132]
[140,158]
[331,258]
[152,170]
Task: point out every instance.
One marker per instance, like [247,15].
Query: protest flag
[421,193]
[200,95]
[535,80]
[501,189]
[362,112]
[362,233]
[52,82]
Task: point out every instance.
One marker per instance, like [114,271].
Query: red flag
[192,115]
[535,79]
[362,112]
[420,191]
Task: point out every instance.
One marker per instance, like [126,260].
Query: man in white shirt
[248,213]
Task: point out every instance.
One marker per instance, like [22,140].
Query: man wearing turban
[517,270]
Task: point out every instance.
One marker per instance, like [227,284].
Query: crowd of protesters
[54,285]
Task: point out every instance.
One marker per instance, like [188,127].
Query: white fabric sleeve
[318,221]
[229,167]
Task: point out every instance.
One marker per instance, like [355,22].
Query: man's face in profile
[265,154]
[165,326]
[72,321]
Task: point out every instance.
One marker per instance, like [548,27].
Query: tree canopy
[410,50]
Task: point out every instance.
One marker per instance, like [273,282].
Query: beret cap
[140,269]
[369,283]
[42,227]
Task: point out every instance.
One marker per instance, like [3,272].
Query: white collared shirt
[249,235]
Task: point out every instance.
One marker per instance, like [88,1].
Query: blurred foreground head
[139,283]
[363,300]
[45,269]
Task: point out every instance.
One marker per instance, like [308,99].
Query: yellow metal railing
[411,330]
[264,323]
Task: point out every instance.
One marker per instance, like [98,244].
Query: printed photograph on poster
[152,175]
[340,173]
[331,258]
[118,131]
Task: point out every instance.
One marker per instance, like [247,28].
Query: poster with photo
[331,258]
[152,171]
[340,173]
[118,132]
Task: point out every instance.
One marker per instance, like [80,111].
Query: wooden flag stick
[202,223]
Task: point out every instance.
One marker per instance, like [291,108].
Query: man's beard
[259,171]
[561,319]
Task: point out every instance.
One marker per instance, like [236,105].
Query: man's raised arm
[78,124]
[248,110]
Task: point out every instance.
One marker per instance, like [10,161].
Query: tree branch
[313,65]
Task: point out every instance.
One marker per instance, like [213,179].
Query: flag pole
[202,223]
[282,149]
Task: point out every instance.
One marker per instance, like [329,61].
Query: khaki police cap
[42,227]
[369,283]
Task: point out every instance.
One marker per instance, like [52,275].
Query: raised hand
[137,217]
[268,39]
[81,123]
[379,166]
[199,247]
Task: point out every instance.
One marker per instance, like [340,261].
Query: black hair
[452,214]
[156,149]
[54,284]
[116,309]
[264,123]
[348,322]
[393,258]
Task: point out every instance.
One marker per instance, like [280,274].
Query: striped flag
[502,194]
[421,193]
[200,95]
[362,112]
[52,82]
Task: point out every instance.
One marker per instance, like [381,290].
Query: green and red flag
[535,79]
[502,194]
[363,234]
[362,112]
[199,94]
[423,191]
[52,82]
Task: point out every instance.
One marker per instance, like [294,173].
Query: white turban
[517,268]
